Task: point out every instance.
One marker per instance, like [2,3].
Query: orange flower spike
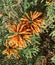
[27,16]
[36,23]
[36,28]
[12,27]
[19,25]
[27,30]
[15,53]
[40,21]
[26,33]
[33,31]
[6,51]
[24,18]
[22,43]
[34,12]
[11,36]
[22,27]
[13,43]
[10,51]
[41,24]
[31,14]
[36,15]
[26,22]
[27,37]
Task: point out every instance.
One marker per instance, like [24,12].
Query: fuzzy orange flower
[34,21]
[10,50]
[23,34]
[17,40]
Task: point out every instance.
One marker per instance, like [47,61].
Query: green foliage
[31,51]
[50,10]
[11,10]
[53,59]
[36,39]
[52,33]
[32,5]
